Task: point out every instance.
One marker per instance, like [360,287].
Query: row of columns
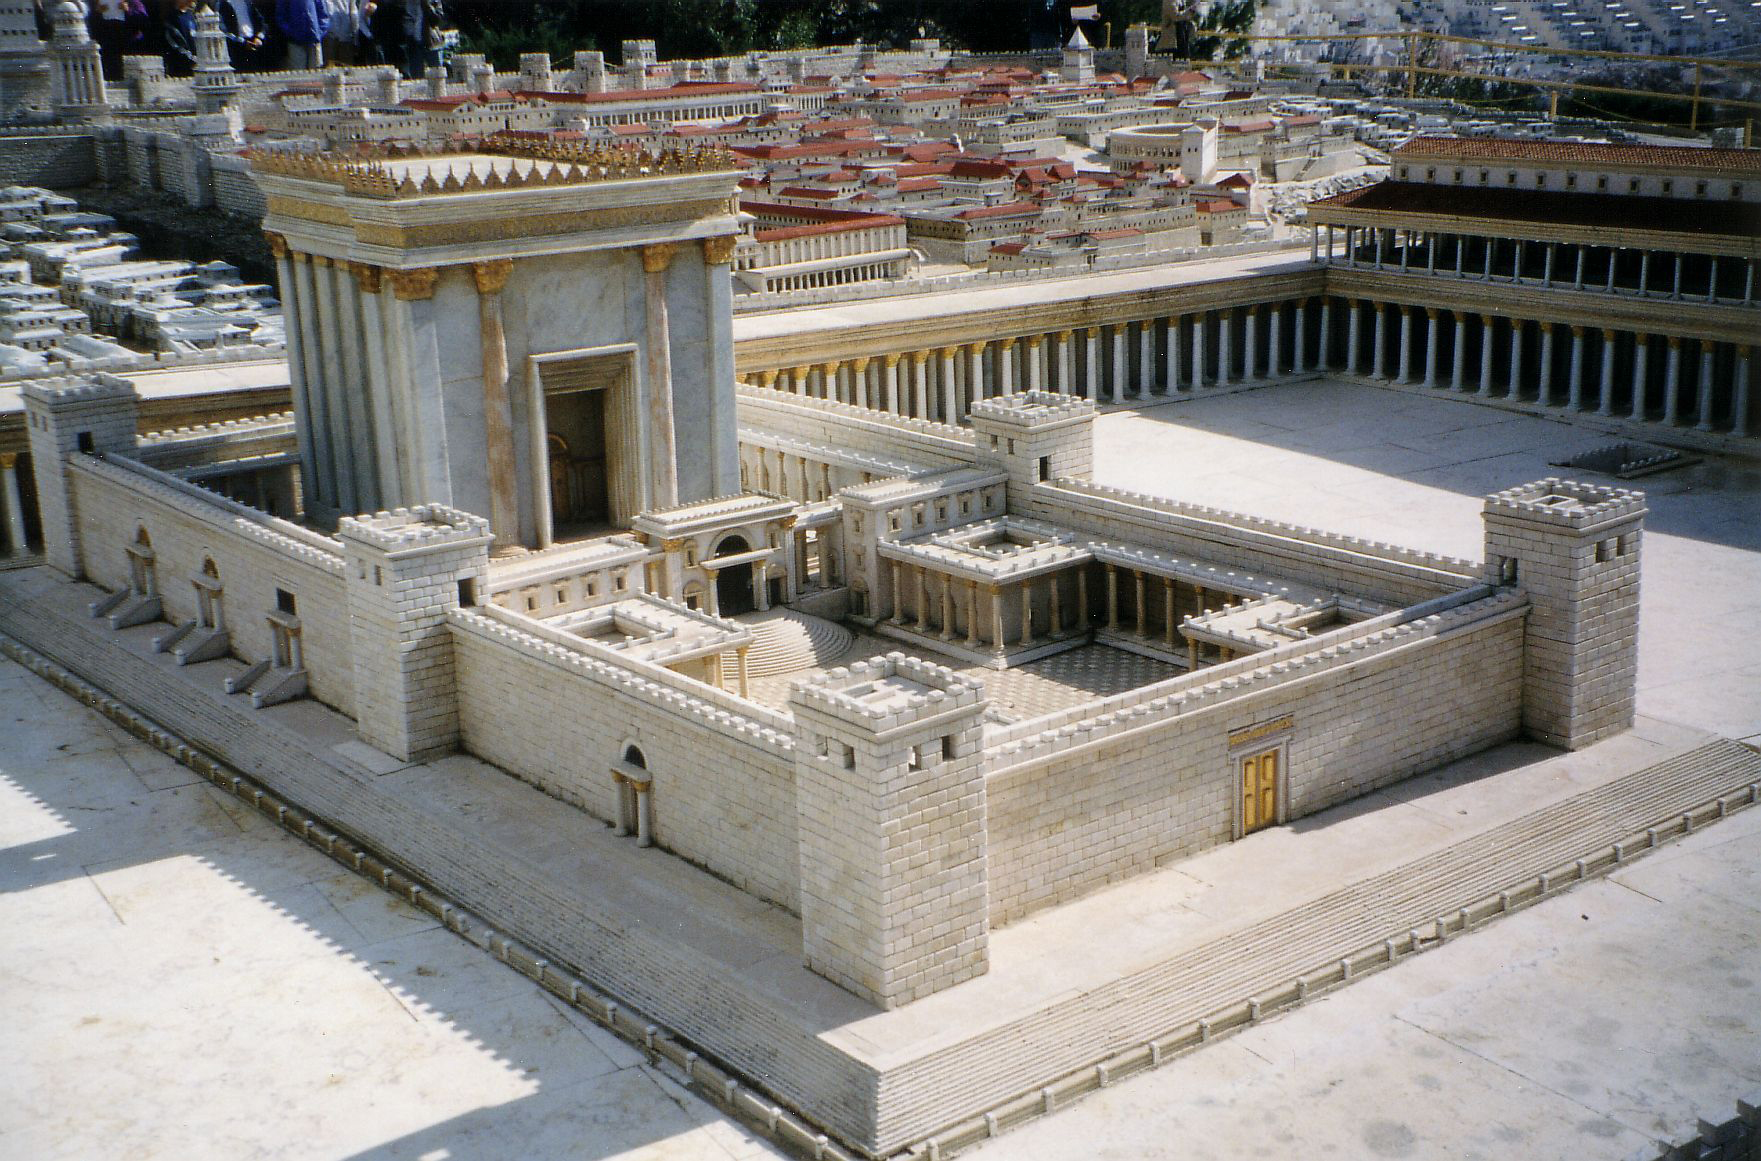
[1128,597]
[1607,269]
[1633,375]
[1106,364]
[12,516]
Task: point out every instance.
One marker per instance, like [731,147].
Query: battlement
[79,389]
[1033,409]
[889,691]
[426,526]
[1567,503]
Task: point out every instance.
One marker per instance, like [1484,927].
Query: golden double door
[1259,791]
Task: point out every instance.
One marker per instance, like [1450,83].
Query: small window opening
[1044,469]
[86,443]
[284,601]
[467,592]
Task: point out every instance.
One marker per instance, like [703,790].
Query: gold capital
[1093,333]
[676,544]
[491,277]
[1431,313]
[277,243]
[892,360]
[1577,332]
[418,283]
[860,365]
[320,261]
[366,277]
[720,249]
[8,461]
[1607,335]
[657,257]
[1675,342]
[920,357]
[975,348]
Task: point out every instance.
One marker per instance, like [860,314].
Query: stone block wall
[723,787]
[406,570]
[1079,816]
[234,189]
[57,160]
[65,416]
[891,798]
[257,558]
[1574,549]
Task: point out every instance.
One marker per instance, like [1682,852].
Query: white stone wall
[1063,827]
[253,558]
[723,788]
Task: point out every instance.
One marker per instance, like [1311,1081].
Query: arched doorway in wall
[733,585]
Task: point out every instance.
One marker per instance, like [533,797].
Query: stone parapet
[1567,503]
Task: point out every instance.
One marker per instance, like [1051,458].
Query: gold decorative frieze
[367,277]
[410,285]
[719,250]
[492,277]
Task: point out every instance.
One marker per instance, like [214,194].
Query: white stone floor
[182,981]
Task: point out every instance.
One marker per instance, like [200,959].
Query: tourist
[350,26]
[120,27]
[179,31]
[304,23]
[247,31]
[424,37]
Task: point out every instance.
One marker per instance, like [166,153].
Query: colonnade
[1618,373]
[1107,364]
[14,538]
[1129,604]
[1662,274]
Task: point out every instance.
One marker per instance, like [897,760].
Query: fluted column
[972,639]
[1323,349]
[1112,598]
[1379,349]
[1740,388]
[1006,369]
[655,260]
[1066,362]
[490,278]
[1091,364]
[12,506]
[975,386]
[1198,350]
[1459,363]
[1488,337]
[1672,381]
[1605,387]
[1225,346]
[1405,344]
[996,595]
[1514,389]
[1027,612]
[1146,357]
[1430,346]
[950,375]
[1249,337]
[1121,381]
[1175,326]
[1036,362]
[890,377]
[920,384]
[860,394]
[1641,361]
[1275,341]
[1706,398]
[1544,388]
[898,617]
[1574,383]
[1299,361]
[1353,319]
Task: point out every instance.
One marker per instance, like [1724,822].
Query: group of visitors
[263,35]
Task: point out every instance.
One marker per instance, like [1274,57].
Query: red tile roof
[1553,207]
[1681,157]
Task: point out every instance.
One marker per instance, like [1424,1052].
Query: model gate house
[524,510]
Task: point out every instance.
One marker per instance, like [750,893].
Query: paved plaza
[186,981]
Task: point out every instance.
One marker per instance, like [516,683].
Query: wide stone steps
[788,642]
[1234,969]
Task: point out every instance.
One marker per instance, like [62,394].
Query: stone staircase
[788,642]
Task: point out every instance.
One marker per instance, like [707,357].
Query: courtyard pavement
[181,980]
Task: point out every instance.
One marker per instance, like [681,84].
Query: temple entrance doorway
[585,443]
[733,585]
